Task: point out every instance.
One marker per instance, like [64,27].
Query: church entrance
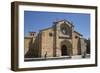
[64,51]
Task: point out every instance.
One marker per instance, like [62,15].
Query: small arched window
[76,37]
[50,34]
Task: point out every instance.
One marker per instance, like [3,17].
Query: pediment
[66,22]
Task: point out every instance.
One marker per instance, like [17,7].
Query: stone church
[56,41]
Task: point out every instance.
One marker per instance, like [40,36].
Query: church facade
[56,41]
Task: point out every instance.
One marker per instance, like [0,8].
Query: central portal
[64,51]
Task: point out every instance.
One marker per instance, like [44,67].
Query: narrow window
[50,34]
[76,37]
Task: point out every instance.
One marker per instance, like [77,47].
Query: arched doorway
[64,51]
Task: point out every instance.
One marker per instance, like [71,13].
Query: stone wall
[26,44]
[47,43]
[30,47]
[76,43]
[60,37]
[83,46]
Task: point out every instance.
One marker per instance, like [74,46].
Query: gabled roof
[78,33]
[46,29]
[56,23]
[64,21]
